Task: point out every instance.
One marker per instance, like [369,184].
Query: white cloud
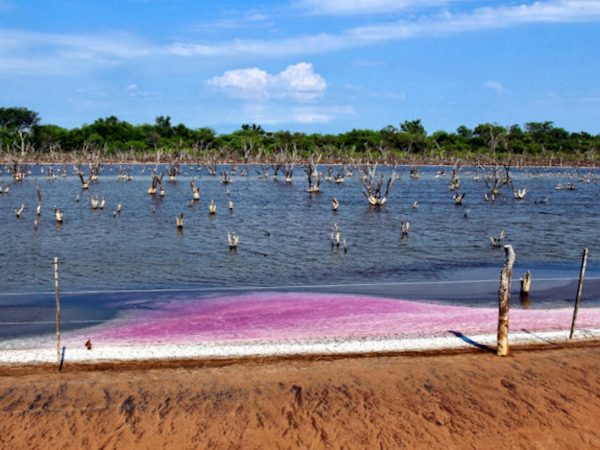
[495,86]
[133,90]
[278,114]
[248,20]
[445,23]
[29,52]
[355,7]
[480,19]
[320,114]
[46,54]
[293,95]
[250,83]
[299,82]
[319,43]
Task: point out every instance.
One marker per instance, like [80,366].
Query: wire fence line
[276,287]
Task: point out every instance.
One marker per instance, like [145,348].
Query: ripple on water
[284,231]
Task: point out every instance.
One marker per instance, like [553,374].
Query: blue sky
[305,65]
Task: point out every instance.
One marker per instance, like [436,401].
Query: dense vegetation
[22,133]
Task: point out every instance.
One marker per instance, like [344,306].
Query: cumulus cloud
[293,95]
[299,82]
[248,84]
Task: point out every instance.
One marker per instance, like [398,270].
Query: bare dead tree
[211,166]
[277,166]
[314,177]
[367,171]
[247,151]
[340,175]
[518,194]
[225,178]
[195,190]
[85,184]
[373,191]
[264,171]
[458,198]
[496,181]
[384,152]
[173,170]
[156,182]
[329,175]
[288,172]
[455,179]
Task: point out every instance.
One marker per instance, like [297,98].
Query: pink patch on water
[308,316]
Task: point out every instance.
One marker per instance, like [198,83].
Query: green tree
[492,135]
[413,127]
[162,126]
[413,136]
[18,119]
[46,137]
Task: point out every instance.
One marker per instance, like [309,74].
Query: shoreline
[258,360]
[303,162]
[286,324]
[210,353]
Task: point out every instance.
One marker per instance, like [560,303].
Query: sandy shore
[293,324]
[533,399]
[209,351]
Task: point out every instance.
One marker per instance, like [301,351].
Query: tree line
[21,130]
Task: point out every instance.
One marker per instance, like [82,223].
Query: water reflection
[524,300]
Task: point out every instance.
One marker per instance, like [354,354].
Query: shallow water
[284,237]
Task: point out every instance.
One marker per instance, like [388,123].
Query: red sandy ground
[542,399]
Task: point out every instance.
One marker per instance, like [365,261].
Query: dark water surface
[284,238]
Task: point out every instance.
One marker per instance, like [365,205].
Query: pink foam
[303,316]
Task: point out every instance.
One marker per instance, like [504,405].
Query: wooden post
[579,291]
[504,300]
[526,283]
[57,297]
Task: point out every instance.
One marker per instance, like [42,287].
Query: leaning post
[504,300]
[57,297]
[579,291]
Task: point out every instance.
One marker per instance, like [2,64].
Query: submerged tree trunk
[504,300]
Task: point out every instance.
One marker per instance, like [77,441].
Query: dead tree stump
[504,300]
[526,283]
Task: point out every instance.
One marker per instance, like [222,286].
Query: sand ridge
[532,399]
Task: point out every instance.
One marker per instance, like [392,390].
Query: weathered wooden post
[504,300]
[525,287]
[57,297]
[579,291]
